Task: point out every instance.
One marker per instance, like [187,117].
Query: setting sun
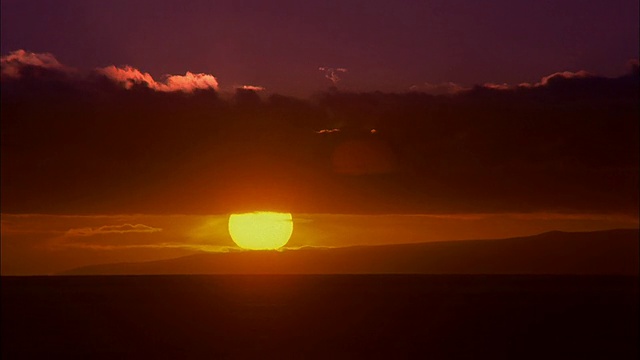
[260,230]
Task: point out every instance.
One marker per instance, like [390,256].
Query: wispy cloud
[112,229]
[327,131]
[167,245]
[251,87]
[332,73]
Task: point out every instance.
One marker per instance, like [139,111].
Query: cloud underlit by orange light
[129,76]
[327,131]
[495,86]
[13,63]
[251,87]
[564,75]
[451,88]
[544,81]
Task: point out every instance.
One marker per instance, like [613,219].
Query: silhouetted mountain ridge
[611,252]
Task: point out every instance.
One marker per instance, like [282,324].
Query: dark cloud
[87,144]
[439,89]
[634,65]
[15,63]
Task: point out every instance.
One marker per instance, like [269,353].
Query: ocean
[320,317]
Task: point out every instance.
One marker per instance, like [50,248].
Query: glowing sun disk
[260,230]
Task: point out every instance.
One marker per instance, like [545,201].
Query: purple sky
[385,45]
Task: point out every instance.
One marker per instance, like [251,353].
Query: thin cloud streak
[184,246]
[251,87]
[112,229]
[327,131]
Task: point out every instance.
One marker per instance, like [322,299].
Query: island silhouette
[611,252]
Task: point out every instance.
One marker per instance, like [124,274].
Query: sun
[261,230]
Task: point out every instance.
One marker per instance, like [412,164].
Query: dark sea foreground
[318,316]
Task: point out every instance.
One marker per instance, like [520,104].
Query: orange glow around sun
[261,230]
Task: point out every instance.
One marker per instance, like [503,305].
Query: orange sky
[45,244]
[484,161]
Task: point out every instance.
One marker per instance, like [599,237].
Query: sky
[383,45]
[131,130]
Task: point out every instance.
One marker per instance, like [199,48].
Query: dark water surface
[317,316]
